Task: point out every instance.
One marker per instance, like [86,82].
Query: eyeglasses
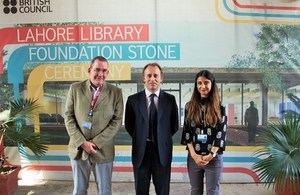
[97,70]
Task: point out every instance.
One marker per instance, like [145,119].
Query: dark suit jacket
[136,123]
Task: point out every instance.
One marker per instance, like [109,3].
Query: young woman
[204,133]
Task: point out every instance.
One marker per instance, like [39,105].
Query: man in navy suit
[151,147]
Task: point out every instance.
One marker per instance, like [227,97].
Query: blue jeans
[212,172]
[81,175]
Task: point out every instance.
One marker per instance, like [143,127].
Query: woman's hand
[208,157]
[199,160]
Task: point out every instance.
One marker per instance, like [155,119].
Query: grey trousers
[81,175]
[212,173]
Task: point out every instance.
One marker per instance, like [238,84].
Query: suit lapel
[160,105]
[143,105]
[102,96]
[86,90]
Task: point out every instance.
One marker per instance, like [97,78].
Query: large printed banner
[200,34]
[53,41]
[79,44]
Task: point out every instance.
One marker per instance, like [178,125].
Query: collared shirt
[148,93]
[95,94]
[95,89]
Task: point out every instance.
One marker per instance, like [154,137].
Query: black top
[202,136]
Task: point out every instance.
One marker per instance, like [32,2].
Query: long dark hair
[212,103]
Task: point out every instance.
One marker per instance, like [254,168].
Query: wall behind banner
[249,45]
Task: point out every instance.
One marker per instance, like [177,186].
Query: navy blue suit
[137,122]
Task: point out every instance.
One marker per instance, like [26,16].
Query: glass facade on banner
[235,96]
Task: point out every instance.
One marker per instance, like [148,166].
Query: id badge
[202,138]
[87,125]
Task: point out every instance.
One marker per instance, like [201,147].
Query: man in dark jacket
[151,119]
[251,120]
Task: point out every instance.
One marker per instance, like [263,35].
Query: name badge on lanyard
[88,124]
[202,137]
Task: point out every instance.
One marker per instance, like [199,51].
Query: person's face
[203,86]
[152,78]
[98,72]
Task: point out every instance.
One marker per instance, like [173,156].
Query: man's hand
[89,147]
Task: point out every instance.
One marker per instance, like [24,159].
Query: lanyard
[94,100]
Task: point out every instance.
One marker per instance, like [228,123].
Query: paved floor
[65,188]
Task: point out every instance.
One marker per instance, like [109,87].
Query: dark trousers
[251,133]
[212,173]
[151,166]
